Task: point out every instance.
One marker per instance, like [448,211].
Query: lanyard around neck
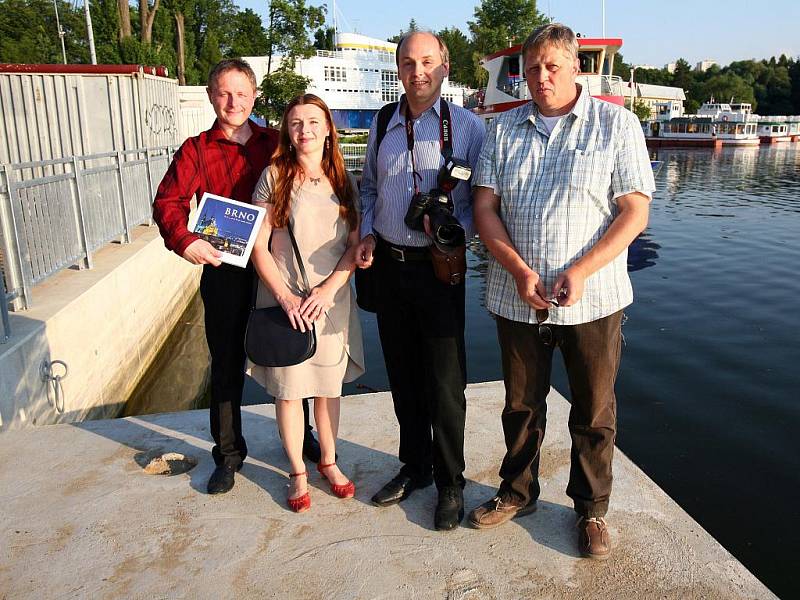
[445,134]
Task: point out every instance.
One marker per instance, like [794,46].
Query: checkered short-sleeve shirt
[558,198]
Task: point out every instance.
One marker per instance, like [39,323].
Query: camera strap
[445,134]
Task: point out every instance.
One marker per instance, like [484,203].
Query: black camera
[447,231]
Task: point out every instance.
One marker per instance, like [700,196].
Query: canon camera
[448,233]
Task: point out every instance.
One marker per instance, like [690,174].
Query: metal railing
[57,213]
[353,155]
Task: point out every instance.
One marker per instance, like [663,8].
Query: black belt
[401,253]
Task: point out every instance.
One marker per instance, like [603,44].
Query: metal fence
[354,156]
[57,213]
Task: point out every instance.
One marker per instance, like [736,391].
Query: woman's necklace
[314,180]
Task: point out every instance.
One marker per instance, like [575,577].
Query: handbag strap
[256,279]
[299,258]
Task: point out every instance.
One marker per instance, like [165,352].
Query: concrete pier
[81,519]
[106,324]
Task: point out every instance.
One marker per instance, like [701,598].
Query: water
[707,390]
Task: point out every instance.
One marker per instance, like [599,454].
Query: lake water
[708,387]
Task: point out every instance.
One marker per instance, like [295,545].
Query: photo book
[228,225]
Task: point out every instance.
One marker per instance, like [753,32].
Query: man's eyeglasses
[546,334]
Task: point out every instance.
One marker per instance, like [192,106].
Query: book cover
[228,225]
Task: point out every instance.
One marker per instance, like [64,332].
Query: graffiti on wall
[160,119]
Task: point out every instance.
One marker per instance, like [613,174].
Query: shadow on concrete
[266,466]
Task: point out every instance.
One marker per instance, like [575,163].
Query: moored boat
[772,130]
[734,123]
[506,87]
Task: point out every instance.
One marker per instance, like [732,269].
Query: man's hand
[531,289]
[568,288]
[200,252]
[364,252]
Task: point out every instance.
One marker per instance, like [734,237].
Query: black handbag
[270,340]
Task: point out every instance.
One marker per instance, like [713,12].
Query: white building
[664,102]
[705,65]
[356,79]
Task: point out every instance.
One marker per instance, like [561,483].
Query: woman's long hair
[287,169]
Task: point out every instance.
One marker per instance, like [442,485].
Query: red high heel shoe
[345,490]
[301,503]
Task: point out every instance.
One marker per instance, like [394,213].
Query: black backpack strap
[384,116]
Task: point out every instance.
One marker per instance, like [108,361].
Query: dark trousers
[421,327]
[227,293]
[591,353]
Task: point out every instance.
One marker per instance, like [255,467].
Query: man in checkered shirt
[562,187]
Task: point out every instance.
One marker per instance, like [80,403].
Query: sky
[652,34]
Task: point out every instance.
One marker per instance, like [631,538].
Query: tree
[412,26]
[460,48]
[249,36]
[499,24]
[277,90]
[146,15]
[727,86]
[324,38]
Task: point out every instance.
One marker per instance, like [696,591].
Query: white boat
[688,130]
[506,87]
[772,130]
[356,79]
[734,123]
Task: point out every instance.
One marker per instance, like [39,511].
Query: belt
[402,253]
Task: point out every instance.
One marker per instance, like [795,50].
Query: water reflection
[642,252]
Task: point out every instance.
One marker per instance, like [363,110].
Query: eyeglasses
[545,331]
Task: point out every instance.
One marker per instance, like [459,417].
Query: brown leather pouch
[449,267]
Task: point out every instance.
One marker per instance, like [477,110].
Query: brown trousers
[591,353]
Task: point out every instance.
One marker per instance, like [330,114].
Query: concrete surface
[106,323]
[80,519]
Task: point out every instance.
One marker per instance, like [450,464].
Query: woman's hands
[292,306]
[318,301]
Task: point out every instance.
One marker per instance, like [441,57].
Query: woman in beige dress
[307,185]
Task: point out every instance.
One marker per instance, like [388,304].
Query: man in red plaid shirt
[226,160]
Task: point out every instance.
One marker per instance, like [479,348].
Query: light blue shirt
[558,196]
[387,183]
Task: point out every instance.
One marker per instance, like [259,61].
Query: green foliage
[29,34]
[640,109]
[499,24]
[412,26]
[461,69]
[277,90]
[289,24]
[324,38]
[249,37]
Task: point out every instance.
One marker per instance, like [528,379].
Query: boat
[793,122]
[356,79]
[506,87]
[688,130]
[772,130]
[734,123]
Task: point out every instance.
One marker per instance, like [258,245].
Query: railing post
[127,236]
[12,253]
[87,261]
[149,183]
[4,312]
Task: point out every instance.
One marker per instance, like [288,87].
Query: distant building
[705,65]
[356,79]
[670,67]
[663,101]
[645,67]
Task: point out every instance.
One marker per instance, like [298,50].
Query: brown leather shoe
[594,539]
[497,511]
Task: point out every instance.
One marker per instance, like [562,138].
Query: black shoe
[449,509]
[221,479]
[311,449]
[399,489]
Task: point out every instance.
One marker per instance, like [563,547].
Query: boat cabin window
[510,76]
[589,61]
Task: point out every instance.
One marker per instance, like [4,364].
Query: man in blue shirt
[420,318]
